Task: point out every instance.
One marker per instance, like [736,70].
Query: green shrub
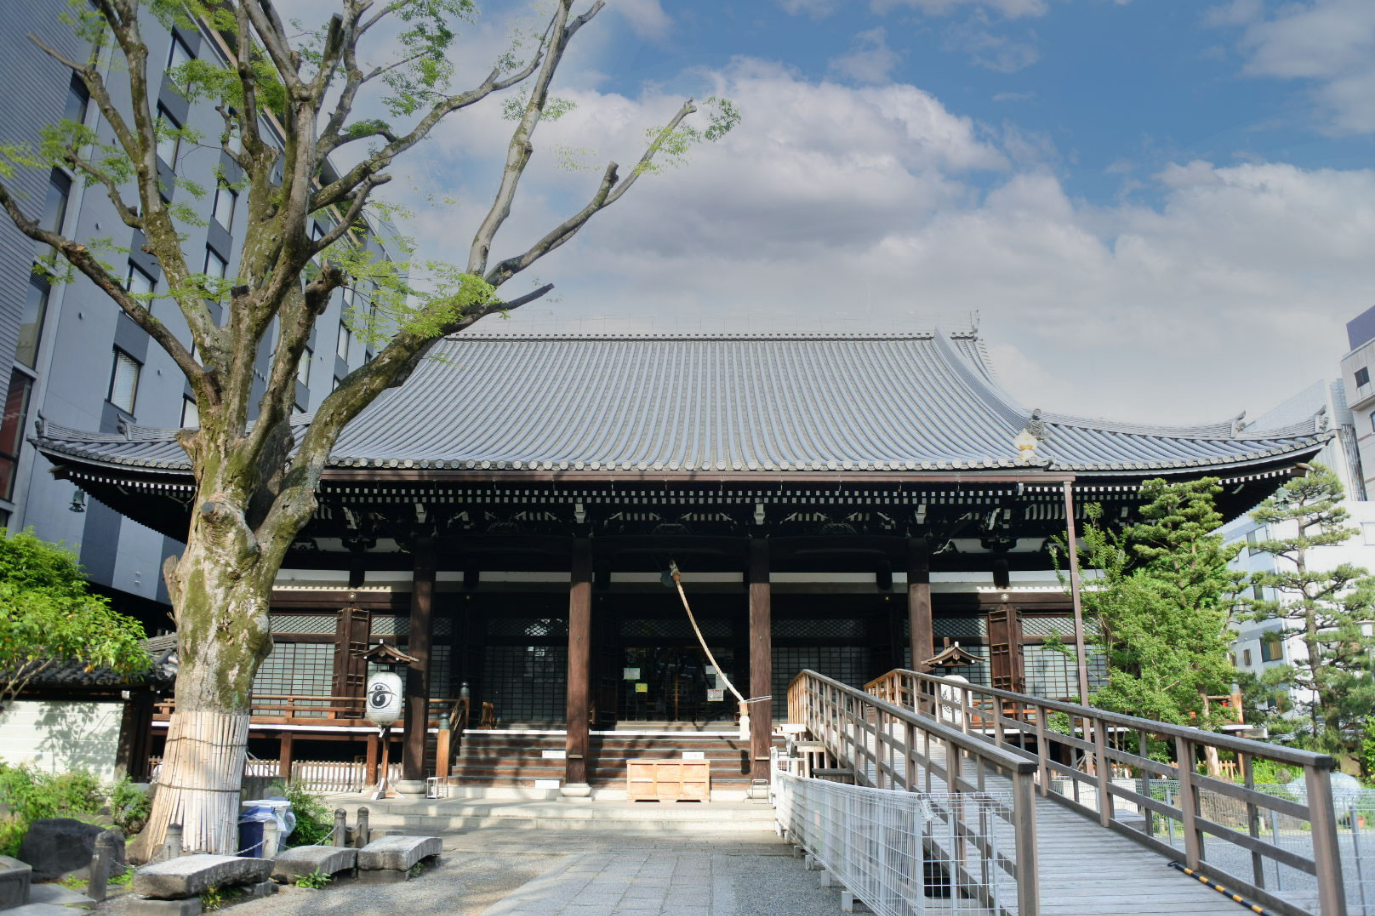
[129,806]
[32,794]
[316,880]
[12,833]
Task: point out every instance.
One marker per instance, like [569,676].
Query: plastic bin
[255,814]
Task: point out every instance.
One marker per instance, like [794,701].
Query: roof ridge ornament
[1239,424]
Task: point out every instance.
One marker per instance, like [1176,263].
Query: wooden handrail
[889,746]
[998,717]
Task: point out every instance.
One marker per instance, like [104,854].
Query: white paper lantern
[384,698]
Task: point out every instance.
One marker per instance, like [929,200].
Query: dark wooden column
[418,679]
[923,634]
[135,735]
[761,659]
[579,661]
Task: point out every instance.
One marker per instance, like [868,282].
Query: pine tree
[1332,609]
[1161,604]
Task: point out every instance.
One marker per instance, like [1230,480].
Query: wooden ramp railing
[889,747]
[1140,778]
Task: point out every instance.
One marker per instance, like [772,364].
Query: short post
[1188,802]
[171,846]
[360,835]
[1356,854]
[1275,838]
[272,838]
[1100,742]
[341,829]
[101,860]
[1327,855]
[1144,747]
[1024,840]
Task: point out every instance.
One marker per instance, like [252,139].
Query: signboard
[716,695]
[630,674]
[384,698]
[694,755]
[642,687]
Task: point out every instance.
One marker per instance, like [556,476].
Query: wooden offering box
[668,780]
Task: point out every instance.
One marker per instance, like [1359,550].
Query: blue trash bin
[251,820]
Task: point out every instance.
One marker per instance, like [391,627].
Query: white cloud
[1011,9]
[836,207]
[1329,43]
[869,59]
[986,48]
[646,17]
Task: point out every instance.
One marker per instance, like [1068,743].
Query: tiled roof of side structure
[782,402]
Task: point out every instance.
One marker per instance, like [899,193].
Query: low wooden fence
[323,776]
[1077,751]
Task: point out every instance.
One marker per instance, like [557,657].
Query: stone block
[191,876]
[261,889]
[383,876]
[15,877]
[58,895]
[147,906]
[304,860]
[397,853]
[59,846]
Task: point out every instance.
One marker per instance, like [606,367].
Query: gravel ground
[745,875]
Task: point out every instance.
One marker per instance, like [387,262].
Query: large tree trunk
[221,593]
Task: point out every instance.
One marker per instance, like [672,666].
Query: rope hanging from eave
[678,582]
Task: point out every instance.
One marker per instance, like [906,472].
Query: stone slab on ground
[41,909]
[146,906]
[305,860]
[15,878]
[191,876]
[383,876]
[397,853]
[58,895]
[58,846]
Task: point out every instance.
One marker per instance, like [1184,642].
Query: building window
[12,430]
[226,198]
[31,323]
[78,100]
[1246,657]
[190,414]
[124,381]
[303,370]
[299,409]
[337,382]
[55,203]
[1258,592]
[345,340]
[180,54]
[1362,377]
[215,266]
[139,283]
[1368,530]
[1254,538]
[1272,649]
[169,142]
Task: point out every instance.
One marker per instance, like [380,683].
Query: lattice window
[526,683]
[527,626]
[1045,626]
[847,664]
[954,627]
[390,626]
[837,628]
[316,624]
[401,626]
[298,669]
[675,627]
[440,673]
[1054,675]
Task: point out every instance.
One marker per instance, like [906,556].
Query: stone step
[448,816]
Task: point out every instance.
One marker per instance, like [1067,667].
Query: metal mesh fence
[905,853]
[1355,812]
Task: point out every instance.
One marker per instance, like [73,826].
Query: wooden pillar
[1073,546]
[370,767]
[923,635]
[579,663]
[761,658]
[284,756]
[418,679]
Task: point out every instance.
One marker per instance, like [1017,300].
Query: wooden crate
[668,780]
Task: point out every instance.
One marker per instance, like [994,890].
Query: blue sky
[1160,210]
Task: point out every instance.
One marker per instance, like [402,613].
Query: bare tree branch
[351,216]
[80,257]
[272,33]
[608,192]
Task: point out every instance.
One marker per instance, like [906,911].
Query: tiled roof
[748,402]
[161,652]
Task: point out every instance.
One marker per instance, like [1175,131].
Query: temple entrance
[675,684]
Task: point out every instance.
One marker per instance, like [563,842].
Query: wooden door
[351,640]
